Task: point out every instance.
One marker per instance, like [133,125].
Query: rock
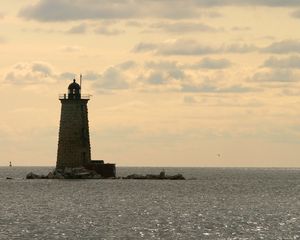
[58,174]
[50,175]
[135,176]
[76,173]
[152,176]
[97,176]
[78,169]
[176,177]
[31,175]
[58,171]
[160,176]
[82,175]
[68,173]
[59,177]
[67,170]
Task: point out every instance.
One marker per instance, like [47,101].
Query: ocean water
[222,203]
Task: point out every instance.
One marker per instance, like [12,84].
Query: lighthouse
[74,149]
[74,141]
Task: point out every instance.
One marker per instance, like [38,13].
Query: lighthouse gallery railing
[83,96]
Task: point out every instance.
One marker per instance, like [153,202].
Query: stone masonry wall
[74,140]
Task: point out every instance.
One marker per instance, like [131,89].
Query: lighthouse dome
[74,90]
[74,85]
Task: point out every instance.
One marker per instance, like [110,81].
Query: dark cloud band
[65,10]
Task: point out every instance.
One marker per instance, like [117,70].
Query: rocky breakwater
[67,173]
[83,173]
[161,176]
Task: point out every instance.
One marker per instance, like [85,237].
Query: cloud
[240,48]
[127,65]
[103,30]
[67,75]
[88,75]
[162,65]
[35,73]
[296,14]
[190,100]
[288,62]
[185,47]
[111,79]
[176,76]
[283,47]
[163,77]
[64,10]
[133,23]
[144,47]
[40,67]
[70,49]
[290,92]
[269,3]
[189,47]
[207,62]
[30,73]
[178,27]
[91,75]
[156,78]
[2,39]
[210,88]
[211,63]
[78,29]
[276,75]
[163,72]
[241,29]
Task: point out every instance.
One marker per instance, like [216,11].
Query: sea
[213,203]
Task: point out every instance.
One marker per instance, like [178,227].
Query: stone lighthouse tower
[74,149]
[74,141]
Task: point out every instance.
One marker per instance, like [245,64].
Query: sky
[194,83]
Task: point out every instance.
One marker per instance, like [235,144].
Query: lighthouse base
[92,170]
[106,170]
[96,169]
